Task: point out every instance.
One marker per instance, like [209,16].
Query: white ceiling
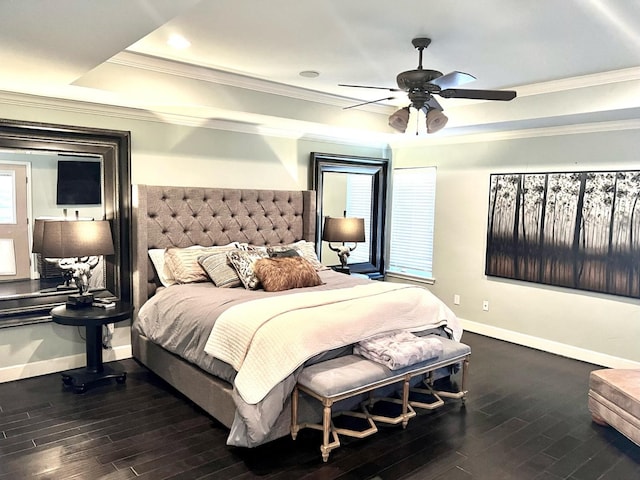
[54,48]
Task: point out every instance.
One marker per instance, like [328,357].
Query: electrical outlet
[485,305]
[456,299]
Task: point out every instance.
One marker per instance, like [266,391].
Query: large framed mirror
[28,296]
[352,186]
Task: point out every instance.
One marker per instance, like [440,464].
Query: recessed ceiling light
[309,73]
[178,41]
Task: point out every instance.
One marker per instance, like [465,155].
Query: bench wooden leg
[462,394]
[294,414]
[328,430]
[405,401]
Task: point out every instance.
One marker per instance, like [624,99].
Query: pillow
[308,251]
[242,261]
[183,262]
[219,271]
[284,273]
[283,252]
[164,273]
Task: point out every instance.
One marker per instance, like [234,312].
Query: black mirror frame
[378,168]
[114,147]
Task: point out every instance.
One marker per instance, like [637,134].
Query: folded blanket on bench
[399,349]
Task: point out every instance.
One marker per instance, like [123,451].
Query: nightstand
[92,318]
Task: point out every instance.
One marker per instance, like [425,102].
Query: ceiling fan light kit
[421,84]
[399,120]
[436,120]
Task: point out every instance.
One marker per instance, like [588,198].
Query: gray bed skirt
[211,394]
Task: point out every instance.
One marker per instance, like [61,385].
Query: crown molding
[584,81]
[297,131]
[211,75]
[577,129]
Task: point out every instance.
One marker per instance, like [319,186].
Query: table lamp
[77,244]
[343,230]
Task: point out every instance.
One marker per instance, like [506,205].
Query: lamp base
[341,269]
[80,300]
[63,288]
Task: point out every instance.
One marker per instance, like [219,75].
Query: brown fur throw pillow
[285,273]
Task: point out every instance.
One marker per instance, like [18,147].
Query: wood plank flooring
[525,417]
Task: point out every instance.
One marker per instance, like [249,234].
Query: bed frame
[185,216]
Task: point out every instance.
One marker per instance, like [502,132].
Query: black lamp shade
[78,238]
[338,229]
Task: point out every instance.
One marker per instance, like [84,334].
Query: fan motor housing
[418,79]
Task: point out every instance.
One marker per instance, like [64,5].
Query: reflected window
[359,191]
[7,197]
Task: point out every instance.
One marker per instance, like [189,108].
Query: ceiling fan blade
[452,79]
[367,103]
[504,95]
[366,86]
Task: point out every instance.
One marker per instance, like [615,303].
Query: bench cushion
[351,372]
[621,387]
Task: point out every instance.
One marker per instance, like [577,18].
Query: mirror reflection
[349,195]
[44,186]
[355,187]
[100,160]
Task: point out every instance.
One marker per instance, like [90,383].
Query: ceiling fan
[421,84]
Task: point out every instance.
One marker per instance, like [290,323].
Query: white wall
[162,154]
[600,328]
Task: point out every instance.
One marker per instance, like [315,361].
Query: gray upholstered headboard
[185,216]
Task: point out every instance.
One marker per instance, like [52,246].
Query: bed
[190,333]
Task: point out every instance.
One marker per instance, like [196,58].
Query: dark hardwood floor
[525,417]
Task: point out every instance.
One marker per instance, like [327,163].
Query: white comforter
[266,340]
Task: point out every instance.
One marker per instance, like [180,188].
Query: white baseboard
[43,367]
[550,346]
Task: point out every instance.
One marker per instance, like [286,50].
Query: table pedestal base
[81,378]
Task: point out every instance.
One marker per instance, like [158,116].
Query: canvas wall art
[578,229]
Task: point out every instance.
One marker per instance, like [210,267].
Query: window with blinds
[359,193]
[412,221]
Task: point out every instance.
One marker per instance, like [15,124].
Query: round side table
[92,318]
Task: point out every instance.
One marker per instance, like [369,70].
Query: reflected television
[78,183]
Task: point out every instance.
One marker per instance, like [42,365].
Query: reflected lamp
[343,230]
[77,246]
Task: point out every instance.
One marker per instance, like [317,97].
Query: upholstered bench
[614,399]
[347,376]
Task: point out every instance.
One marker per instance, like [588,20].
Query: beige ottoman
[614,399]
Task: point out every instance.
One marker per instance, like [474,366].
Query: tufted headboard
[185,216]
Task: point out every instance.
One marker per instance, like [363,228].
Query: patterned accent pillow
[306,249]
[282,251]
[183,262]
[219,271]
[284,273]
[242,262]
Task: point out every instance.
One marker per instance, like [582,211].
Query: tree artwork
[578,230]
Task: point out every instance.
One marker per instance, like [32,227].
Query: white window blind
[412,221]
[359,206]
